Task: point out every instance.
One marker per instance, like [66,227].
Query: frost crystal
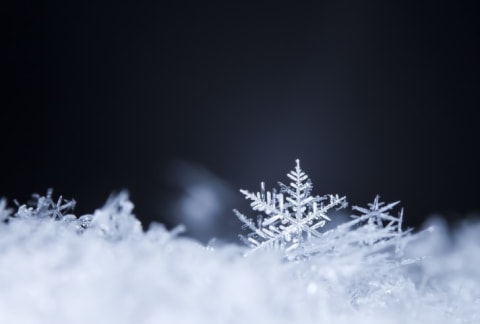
[46,207]
[374,230]
[378,225]
[378,215]
[292,216]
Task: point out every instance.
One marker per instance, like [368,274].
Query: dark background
[373,97]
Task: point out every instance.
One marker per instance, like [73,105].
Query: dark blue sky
[373,97]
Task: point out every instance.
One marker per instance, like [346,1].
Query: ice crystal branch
[374,230]
[292,215]
[46,207]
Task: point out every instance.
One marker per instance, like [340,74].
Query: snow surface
[103,268]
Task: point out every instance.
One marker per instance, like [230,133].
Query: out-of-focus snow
[110,271]
[204,202]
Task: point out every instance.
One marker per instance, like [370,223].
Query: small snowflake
[378,224]
[377,213]
[292,216]
[46,207]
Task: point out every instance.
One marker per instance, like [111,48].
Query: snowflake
[46,207]
[377,214]
[292,216]
[377,225]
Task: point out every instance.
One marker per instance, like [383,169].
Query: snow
[53,270]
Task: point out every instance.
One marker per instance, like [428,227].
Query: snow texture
[103,268]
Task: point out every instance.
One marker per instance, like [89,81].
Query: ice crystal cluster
[56,267]
[293,218]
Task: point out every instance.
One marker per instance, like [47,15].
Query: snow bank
[102,268]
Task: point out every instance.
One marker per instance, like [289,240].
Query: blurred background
[183,105]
